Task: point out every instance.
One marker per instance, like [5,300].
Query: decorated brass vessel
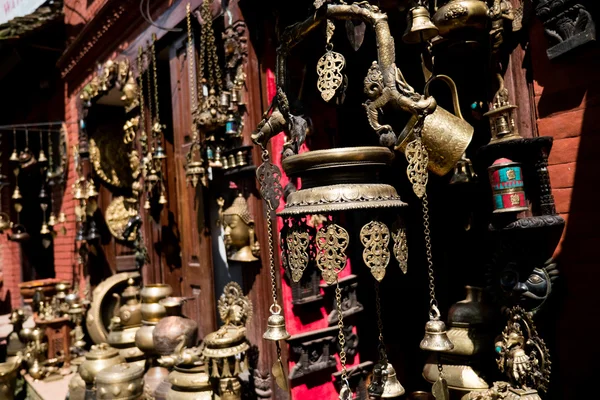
[101,356]
[152,312]
[8,379]
[190,383]
[460,15]
[120,382]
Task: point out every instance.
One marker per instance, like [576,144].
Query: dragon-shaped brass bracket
[384,84]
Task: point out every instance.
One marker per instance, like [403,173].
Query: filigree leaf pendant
[269,180]
[297,247]
[329,69]
[331,241]
[279,375]
[400,245]
[418,159]
[375,237]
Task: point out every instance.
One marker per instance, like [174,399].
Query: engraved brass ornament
[418,158]
[332,242]
[400,245]
[375,237]
[119,215]
[329,68]
[297,253]
[269,179]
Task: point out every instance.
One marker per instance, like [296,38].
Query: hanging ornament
[14,156]
[329,67]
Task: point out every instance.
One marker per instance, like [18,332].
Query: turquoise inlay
[498,349]
[498,201]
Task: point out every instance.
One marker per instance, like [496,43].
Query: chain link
[382,352]
[433,304]
[155,79]
[208,49]
[272,260]
[191,69]
[143,138]
[341,336]
[149,88]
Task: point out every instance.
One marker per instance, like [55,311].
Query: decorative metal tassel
[226,372]
[215,369]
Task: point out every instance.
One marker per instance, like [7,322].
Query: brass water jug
[446,136]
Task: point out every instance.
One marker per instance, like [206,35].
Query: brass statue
[239,237]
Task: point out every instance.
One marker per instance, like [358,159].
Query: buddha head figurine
[239,237]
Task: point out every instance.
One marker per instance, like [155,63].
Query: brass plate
[118,214]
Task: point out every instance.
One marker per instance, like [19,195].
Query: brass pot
[189,383]
[153,312]
[446,136]
[120,382]
[8,379]
[122,338]
[152,293]
[460,15]
[101,356]
[143,337]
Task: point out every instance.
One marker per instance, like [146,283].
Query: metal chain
[201,60]
[191,70]
[382,352]
[208,46]
[341,337]
[149,86]
[272,260]
[143,139]
[155,79]
[433,304]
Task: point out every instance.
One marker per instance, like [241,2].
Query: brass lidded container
[101,356]
[120,382]
[152,312]
[190,383]
[336,181]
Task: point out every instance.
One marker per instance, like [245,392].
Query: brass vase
[461,15]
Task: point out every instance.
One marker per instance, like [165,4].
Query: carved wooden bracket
[357,377]
[567,23]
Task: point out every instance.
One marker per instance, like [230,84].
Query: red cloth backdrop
[295,325]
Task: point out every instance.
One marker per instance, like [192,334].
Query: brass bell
[159,153]
[16,194]
[44,230]
[419,28]
[91,189]
[162,199]
[436,338]
[276,328]
[19,234]
[463,172]
[52,219]
[42,157]
[14,155]
[392,387]
[147,205]
[62,218]
[78,193]
[43,196]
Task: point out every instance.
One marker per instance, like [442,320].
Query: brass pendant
[279,374]
[329,68]
[345,393]
[440,389]
[269,181]
[418,159]
[297,253]
[331,242]
[375,237]
[400,245]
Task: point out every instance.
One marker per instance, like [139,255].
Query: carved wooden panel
[196,248]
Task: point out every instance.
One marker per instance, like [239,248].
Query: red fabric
[294,323]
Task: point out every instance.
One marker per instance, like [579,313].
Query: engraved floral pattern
[375,237]
[332,242]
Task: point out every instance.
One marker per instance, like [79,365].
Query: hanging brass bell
[14,155]
[19,233]
[80,234]
[392,387]
[42,157]
[44,230]
[78,193]
[62,218]
[52,219]
[162,199]
[159,153]
[16,194]
[147,205]
[419,28]
[276,328]
[436,338]
[91,189]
